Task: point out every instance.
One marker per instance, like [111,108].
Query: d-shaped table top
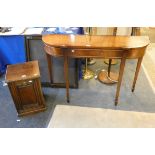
[122,47]
[95,41]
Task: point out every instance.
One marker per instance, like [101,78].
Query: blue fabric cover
[12,51]
[12,48]
[63,30]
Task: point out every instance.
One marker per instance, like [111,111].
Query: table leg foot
[116,102]
[136,73]
[121,71]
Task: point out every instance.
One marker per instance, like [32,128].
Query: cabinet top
[95,41]
[24,71]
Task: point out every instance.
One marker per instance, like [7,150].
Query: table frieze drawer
[96,53]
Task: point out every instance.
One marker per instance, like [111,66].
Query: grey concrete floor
[91,93]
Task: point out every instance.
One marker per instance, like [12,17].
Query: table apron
[95,53]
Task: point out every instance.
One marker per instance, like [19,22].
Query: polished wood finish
[136,73]
[121,71]
[23,71]
[66,73]
[24,84]
[95,42]
[50,67]
[96,53]
[104,78]
[79,46]
[52,83]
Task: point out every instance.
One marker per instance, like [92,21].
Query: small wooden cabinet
[24,84]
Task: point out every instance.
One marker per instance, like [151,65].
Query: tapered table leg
[109,67]
[50,70]
[136,73]
[121,71]
[66,74]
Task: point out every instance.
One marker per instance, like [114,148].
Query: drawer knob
[23,76]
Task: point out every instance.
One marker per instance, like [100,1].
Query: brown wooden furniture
[111,47]
[35,51]
[24,84]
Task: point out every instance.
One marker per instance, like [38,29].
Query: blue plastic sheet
[12,51]
[12,48]
[63,30]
